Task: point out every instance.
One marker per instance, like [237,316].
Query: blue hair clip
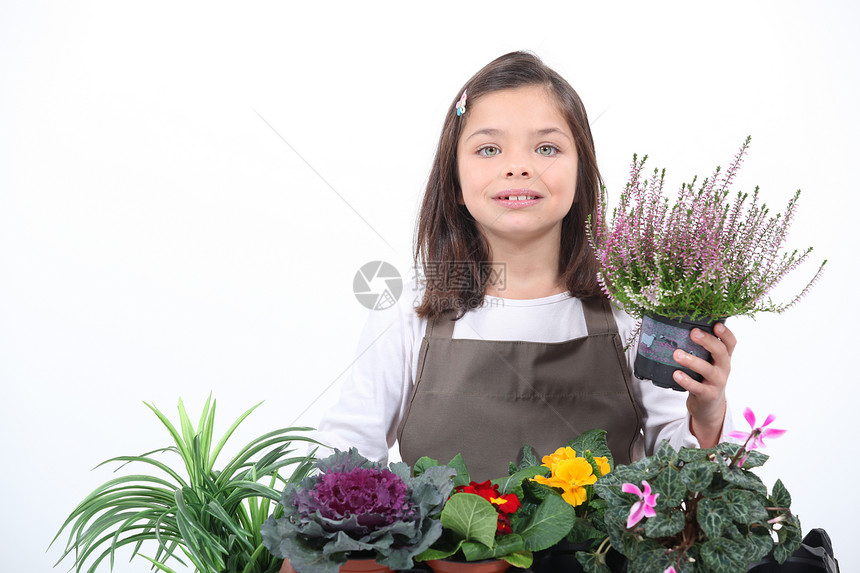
[461,105]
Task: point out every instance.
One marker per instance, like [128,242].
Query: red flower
[504,524]
[505,504]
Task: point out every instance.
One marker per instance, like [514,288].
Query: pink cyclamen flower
[642,508]
[757,435]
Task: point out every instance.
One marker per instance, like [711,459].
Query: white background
[158,239]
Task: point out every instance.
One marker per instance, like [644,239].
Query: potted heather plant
[696,510]
[209,518]
[489,526]
[356,509]
[691,263]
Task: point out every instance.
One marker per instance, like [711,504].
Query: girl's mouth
[517,199]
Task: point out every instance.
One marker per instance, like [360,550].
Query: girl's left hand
[707,399]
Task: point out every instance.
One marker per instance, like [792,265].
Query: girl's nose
[518,167]
[519,171]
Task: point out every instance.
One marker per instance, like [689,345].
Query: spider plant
[209,517]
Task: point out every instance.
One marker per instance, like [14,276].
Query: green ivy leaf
[697,476]
[595,442]
[528,458]
[670,486]
[790,537]
[666,454]
[536,490]
[755,459]
[723,556]
[583,531]
[592,562]
[646,468]
[652,559]
[739,505]
[629,545]
[612,494]
[664,524]
[688,455]
[744,479]
[758,544]
[780,496]
[713,516]
[746,507]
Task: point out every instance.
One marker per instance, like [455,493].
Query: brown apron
[488,398]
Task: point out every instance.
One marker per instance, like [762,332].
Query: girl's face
[517,165]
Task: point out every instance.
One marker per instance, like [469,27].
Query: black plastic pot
[561,558]
[658,339]
[815,555]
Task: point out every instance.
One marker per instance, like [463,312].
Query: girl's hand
[707,399]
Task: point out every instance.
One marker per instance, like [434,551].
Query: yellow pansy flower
[602,464]
[572,475]
[563,453]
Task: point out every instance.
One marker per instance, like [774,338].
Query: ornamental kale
[355,505]
[376,497]
[706,255]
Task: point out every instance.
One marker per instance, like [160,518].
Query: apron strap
[441,326]
[598,316]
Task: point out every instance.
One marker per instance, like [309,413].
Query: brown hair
[449,246]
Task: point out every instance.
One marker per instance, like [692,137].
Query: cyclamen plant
[355,505]
[706,255]
[697,511]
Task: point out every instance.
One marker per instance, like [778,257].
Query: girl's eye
[489,151]
[547,150]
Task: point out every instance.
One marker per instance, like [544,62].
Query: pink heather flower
[755,438]
[671,569]
[642,508]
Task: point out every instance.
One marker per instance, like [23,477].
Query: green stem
[604,546]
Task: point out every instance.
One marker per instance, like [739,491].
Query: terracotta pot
[351,566]
[659,338]
[451,566]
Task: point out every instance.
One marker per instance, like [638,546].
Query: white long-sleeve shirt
[376,393]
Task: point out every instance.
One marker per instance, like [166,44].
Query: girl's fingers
[697,389]
[696,364]
[719,350]
[726,336]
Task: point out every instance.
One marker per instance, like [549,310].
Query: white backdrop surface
[159,239]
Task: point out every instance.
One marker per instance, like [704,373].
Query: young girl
[512,341]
